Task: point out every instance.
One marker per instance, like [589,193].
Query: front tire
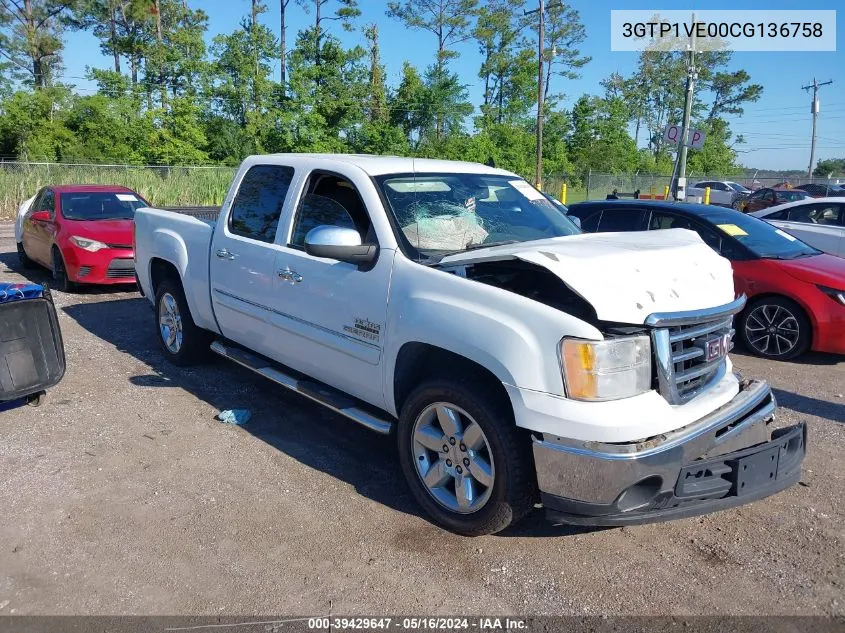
[466,462]
[182,341]
[61,281]
[776,328]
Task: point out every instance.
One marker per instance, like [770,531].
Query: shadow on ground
[290,423]
[832,411]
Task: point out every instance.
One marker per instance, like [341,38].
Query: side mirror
[575,220]
[342,244]
[41,216]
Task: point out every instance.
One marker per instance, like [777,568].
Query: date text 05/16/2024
[417,623]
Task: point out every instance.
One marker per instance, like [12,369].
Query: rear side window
[589,220]
[259,202]
[47,202]
[615,220]
[827,214]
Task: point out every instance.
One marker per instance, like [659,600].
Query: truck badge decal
[364,328]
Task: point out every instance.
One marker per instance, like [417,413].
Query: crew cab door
[330,315]
[242,256]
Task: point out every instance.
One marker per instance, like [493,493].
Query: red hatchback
[82,233]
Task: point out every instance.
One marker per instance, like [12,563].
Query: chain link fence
[162,185]
[597,186]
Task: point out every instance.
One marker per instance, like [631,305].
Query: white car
[22,211]
[722,192]
[515,359]
[820,222]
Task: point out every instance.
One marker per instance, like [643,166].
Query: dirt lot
[122,494]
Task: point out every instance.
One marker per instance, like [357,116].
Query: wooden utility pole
[541,14]
[814,108]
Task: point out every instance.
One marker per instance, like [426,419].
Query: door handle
[289,275]
[225,254]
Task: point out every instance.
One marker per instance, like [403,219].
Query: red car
[796,294]
[82,233]
[769,197]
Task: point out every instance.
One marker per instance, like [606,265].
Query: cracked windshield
[450,213]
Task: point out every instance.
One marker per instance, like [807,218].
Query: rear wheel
[775,327]
[60,279]
[23,258]
[466,462]
[181,340]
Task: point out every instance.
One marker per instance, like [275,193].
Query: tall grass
[161,186]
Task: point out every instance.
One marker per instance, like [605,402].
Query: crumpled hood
[626,276]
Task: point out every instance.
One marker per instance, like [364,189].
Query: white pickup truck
[517,360]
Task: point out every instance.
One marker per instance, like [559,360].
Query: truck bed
[181,237]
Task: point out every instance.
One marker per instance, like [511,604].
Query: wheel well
[774,295]
[417,362]
[161,270]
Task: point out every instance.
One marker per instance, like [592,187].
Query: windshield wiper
[473,247]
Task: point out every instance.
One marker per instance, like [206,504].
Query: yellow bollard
[666,192]
[707,195]
[563,193]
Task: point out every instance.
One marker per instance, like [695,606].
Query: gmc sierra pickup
[517,360]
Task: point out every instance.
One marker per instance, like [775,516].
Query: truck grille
[690,349]
[121,268]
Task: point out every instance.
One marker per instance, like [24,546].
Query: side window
[259,202]
[616,220]
[590,224]
[779,215]
[827,214]
[757,195]
[47,202]
[660,220]
[331,200]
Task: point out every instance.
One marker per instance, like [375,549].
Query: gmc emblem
[716,348]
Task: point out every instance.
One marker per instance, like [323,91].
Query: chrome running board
[311,389]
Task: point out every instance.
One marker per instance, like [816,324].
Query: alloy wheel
[772,330]
[453,458]
[170,323]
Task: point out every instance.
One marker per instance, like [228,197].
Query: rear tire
[776,328]
[181,340]
[482,456]
[23,258]
[61,281]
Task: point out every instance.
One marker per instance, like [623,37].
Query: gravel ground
[123,495]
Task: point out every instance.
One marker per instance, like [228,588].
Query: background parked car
[769,197]
[822,191]
[82,233]
[796,293]
[722,192]
[820,222]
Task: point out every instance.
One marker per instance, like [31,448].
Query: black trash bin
[32,356]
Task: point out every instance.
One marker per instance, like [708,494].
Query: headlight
[606,370]
[833,293]
[87,245]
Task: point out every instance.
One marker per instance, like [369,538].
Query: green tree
[830,167]
[31,37]
[32,125]
[563,34]
[345,12]
[451,22]
[508,67]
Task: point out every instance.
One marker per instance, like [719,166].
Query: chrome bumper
[677,473]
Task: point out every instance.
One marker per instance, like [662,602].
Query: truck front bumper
[728,458]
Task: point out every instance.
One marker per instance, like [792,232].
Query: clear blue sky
[777,128]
